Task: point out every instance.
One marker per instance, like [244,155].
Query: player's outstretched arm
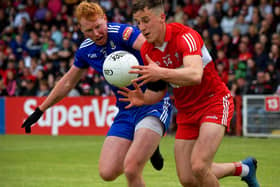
[61,89]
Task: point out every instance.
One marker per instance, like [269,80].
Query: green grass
[72,161]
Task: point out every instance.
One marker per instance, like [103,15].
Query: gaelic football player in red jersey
[176,54]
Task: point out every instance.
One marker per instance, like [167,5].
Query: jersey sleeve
[190,43]
[79,62]
[128,34]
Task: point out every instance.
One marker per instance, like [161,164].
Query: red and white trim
[225,110]
[191,42]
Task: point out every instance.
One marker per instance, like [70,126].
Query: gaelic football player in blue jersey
[135,134]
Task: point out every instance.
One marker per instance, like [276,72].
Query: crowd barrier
[90,115]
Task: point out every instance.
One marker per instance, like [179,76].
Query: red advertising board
[71,116]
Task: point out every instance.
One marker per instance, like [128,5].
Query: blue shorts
[126,120]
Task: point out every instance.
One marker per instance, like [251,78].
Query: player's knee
[199,168]
[132,170]
[188,181]
[107,174]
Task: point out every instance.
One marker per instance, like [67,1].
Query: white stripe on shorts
[225,110]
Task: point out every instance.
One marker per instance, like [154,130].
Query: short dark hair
[142,4]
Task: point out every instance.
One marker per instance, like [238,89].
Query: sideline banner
[2,115]
[71,116]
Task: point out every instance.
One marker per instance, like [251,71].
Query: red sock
[238,168]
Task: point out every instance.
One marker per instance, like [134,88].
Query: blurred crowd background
[38,40]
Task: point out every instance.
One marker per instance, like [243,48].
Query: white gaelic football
[116,67]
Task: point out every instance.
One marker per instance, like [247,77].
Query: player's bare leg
[183,150]
[246,169]
[223,169]
[195,161]
[112,157]
[205,148]
[144,144]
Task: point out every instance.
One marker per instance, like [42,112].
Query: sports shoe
[157,159]
[251,178]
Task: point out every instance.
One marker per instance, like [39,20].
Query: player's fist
[33,118]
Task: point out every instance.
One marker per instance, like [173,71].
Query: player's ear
[162,17]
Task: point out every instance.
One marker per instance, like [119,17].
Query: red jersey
[181,41]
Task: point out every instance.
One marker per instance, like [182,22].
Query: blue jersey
[120,37]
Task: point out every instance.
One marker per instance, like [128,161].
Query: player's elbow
[196,78]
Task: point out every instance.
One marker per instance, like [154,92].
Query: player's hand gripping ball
[116,68]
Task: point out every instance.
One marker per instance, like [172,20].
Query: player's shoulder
[86,44]
[114,28]
[119,31]
[87,47]
[179,28]
[181,31]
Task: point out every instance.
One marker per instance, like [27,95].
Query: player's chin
[149,39]
[101,41]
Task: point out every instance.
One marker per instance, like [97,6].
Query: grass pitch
[72,161]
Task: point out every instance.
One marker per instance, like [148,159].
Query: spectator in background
[41,12]
[253,34]
[55,7]
[251,70]
[34,45]
[35,66]
[3,19]
[179,14]
[11,84]
[256,19]
[56,35]
[260,57]
[265,8]
[18,46]
[244,53]
[260,85]
[263,39]
[98,84]
[29,87]
[222,58]
[21,15]
[250,9]
[31,8]
[43,88]
[52,50]
[218,11]
[239,87]
[208,6]
[241,25]
[228,21]
[3,90]
[222,72]
[274,56]
[66,50]
[273,76]
[214,26]
[275,39]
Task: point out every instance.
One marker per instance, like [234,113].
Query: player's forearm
[152,97]
[182,76]
[61,89]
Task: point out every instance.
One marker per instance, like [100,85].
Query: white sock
[245,170]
